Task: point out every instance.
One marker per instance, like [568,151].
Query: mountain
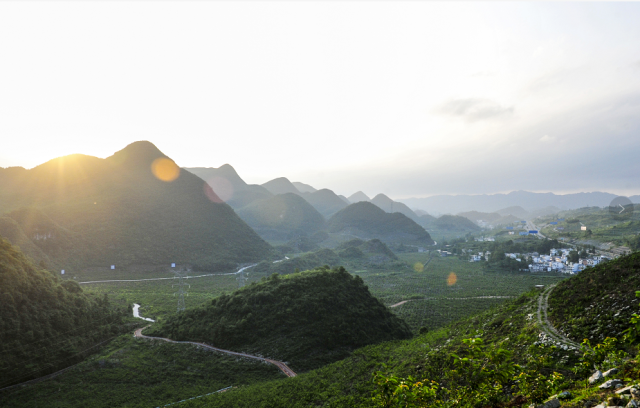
[40,317]
[366,220]
[307,319]
[452,204]
[357,197]
[135,207]
[282,217]
[280,185]
[494,219]
[303,188]
[390,206]
[229,186]
[514,210]
[325,201]
[345,199]
[454,223]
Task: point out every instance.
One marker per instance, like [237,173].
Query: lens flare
[452,279]
[211,195]
[222,187]
[418,267]
[165,169]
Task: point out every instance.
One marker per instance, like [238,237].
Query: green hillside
[454,223]
[282,217]
[497,358]
[307,319]
[325,201]
[390,206]
[83,211]
[599,301]
[46,324]
[366,220]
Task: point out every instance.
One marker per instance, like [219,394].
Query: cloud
[547,139]
[474,109]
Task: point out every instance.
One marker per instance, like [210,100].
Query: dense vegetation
[282,217]
[308,319]
[131,372]
[46,324]
[599,301]
[366,220]
[83,211]
[354,253]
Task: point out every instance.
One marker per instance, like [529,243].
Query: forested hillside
[84,211]
[599,301]
[45,323]
[307,319]
[366,220]
[282,217]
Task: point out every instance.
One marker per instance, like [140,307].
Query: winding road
[282,366]
[546,326]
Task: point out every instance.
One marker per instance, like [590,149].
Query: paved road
[157,279]
[546,326]
[282,366]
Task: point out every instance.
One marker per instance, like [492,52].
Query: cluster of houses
[485,239]
[556,261]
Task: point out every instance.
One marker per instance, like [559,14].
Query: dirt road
[282,366]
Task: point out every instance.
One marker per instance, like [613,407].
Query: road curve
[282,366]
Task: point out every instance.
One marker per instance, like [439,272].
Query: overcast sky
[408,99]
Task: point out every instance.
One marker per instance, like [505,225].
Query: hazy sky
[409,99]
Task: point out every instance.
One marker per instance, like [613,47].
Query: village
[558,260]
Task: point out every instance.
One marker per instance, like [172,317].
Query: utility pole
[180,275]
[241,278]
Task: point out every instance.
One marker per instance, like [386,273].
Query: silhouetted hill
[282,217]
[325,201]
[357,197]
[307,319]
[345,199]
[390,206]
[44,322]
[99,212]
[366,220]
[229,186]
[280,185]
[303,188]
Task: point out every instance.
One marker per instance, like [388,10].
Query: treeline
[45,323]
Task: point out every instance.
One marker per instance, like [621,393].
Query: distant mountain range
[135,207]
[530,202]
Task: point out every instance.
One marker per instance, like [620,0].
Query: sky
[410,99]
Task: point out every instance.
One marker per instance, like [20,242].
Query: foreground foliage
[46,324]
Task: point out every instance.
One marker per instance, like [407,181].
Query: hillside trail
[282,366]
[546,326]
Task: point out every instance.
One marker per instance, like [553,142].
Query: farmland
[437,290]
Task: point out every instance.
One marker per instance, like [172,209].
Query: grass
[133,372]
